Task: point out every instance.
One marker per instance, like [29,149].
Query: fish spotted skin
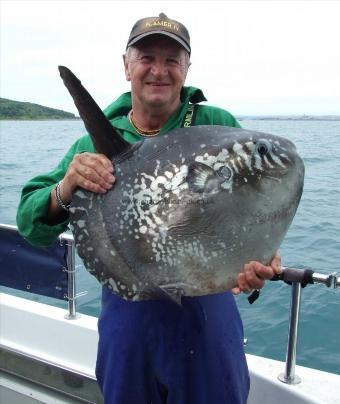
[188,210]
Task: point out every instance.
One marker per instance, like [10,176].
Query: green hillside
[10,109]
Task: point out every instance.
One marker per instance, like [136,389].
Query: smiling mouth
[158,84]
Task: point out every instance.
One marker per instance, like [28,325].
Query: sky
[249,57]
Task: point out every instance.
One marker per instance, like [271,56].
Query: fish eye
[263,147]
[225,172]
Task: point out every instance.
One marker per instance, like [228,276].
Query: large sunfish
[188,209]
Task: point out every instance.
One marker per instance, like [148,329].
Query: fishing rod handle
[307,276]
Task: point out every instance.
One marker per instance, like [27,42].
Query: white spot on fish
[81,195]
[277,160]
[113,285]
[267,162]
[227,185]
[284,155]
[168,174]
[143,229]
[212,160]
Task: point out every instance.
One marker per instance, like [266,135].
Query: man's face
[157,68]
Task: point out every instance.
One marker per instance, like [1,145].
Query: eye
[173,61]
[263,147]
[225,172]
[146,58]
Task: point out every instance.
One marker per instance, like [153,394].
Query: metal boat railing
[70,269]
[289,376]
[299,278]
[24,267]
[43,374]
[294,276]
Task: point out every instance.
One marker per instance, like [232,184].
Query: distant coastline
[26,111]
[289,117]
[17,110]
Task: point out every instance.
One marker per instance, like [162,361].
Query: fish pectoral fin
[201,177]
[174,296]
[175,291]
[158,293]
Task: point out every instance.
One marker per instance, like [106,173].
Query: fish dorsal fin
[105,138]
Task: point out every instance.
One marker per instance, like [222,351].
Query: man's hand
[90,171]
[255,274]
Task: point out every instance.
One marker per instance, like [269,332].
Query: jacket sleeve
[35,199]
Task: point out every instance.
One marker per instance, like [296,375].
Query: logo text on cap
[163,24]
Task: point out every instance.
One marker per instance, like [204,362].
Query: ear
[186,71]
[126,68]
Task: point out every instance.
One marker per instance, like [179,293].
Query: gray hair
[131,48]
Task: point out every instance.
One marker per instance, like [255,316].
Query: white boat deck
[42,332]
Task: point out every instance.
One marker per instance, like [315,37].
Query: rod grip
[290,275]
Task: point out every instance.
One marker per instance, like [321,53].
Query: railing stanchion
[71,276]
[289,375]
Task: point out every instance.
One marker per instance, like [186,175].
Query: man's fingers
[92,185]
[242,283]
[236,291]
[254,275]
[90,176]
[259,270]
[98,164]
[93,172]
[276,264]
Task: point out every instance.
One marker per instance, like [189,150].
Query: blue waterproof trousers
[158,352]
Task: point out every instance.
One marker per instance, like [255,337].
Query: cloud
[258,53]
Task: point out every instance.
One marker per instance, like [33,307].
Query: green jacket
[32,210]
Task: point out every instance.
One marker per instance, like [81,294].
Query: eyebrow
[151,50]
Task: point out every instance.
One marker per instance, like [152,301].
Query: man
[152,351]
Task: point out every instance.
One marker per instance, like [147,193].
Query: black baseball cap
[161,25]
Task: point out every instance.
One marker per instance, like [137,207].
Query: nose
[159,68]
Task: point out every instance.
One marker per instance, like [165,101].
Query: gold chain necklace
[141,131]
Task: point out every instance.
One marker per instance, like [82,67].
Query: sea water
[29,148]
